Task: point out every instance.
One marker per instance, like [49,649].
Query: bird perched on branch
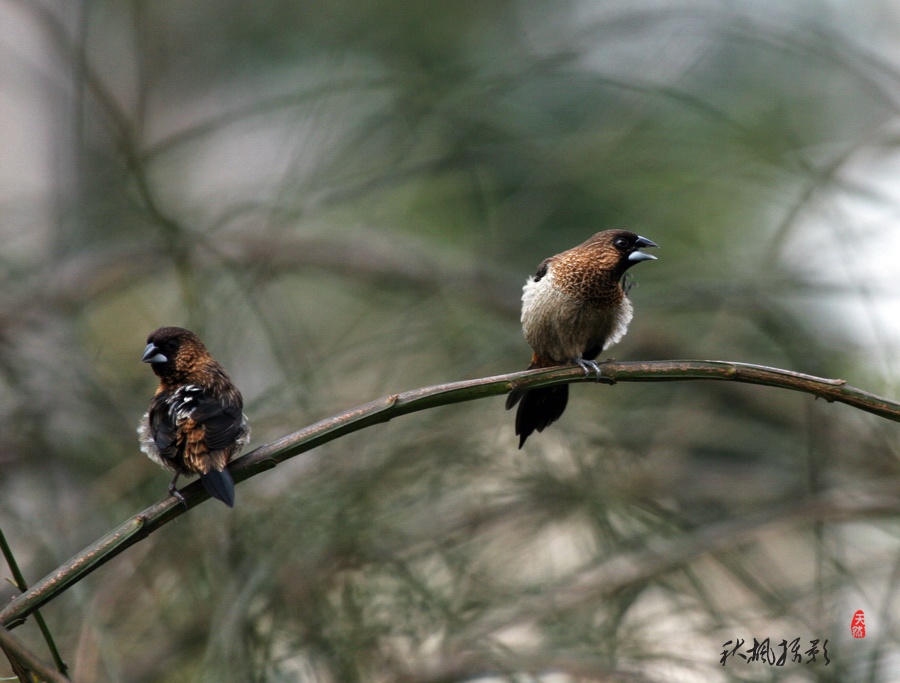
[195,423]
[574,307]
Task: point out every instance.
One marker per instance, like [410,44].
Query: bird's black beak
[638,256]
[153,355]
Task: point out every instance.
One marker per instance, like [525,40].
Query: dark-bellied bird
[574,307]
[195,423]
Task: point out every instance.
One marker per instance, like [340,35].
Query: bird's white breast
[561,328]
[148,443]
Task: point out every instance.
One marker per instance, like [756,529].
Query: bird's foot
[175,493]
[589,366]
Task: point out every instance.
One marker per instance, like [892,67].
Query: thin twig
[20,656]
[22,585]
[382,410]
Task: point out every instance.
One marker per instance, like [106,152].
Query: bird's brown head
[176,354]
[617,250]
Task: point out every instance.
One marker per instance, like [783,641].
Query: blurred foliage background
[344,199]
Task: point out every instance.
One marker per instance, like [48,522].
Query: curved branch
[384,409]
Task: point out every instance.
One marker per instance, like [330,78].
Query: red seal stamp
[858,624]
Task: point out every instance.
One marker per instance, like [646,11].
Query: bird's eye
[621,242]
[171,345]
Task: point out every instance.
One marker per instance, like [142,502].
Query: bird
[195,423]
[574,307]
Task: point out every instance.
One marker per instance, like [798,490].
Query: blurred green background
[344,199]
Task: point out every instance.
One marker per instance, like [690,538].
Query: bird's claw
[590,366]
[175,493]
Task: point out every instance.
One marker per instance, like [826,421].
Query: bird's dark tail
[219,485]
[538,408]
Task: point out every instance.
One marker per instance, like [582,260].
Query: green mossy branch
[382,410]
